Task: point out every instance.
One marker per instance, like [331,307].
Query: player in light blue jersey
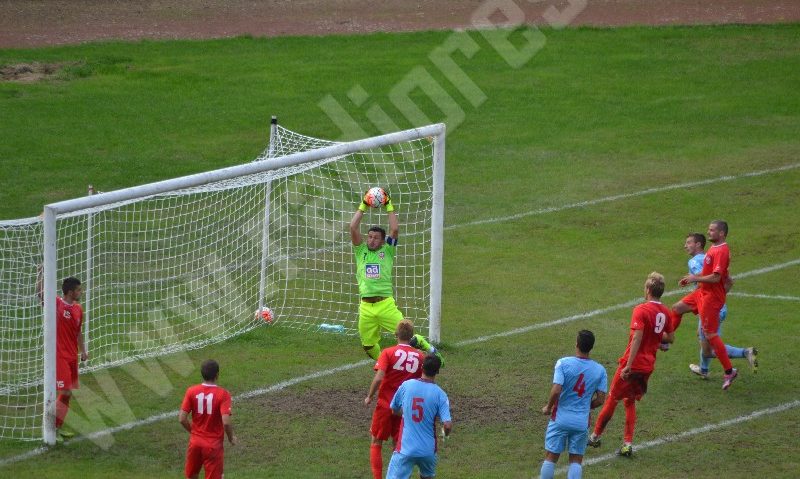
[579,385]
[419,402]
[695,246]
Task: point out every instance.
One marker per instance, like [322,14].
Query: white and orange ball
[266,314]
[376,197]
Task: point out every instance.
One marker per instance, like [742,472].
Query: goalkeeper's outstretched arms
[355,224]
[394,224]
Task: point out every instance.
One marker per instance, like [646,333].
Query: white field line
[627,304]
[771,297]
[346,367]
[693,432]
[607,199]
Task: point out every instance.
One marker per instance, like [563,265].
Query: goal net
[184,263]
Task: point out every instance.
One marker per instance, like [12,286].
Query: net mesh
[185,269]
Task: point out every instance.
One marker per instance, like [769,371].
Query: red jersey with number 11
[207,403]
[653,319]
[399,363]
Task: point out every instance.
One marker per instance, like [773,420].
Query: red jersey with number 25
[207,403]
[716,261]
[653,319]
[69,318]
[399,363]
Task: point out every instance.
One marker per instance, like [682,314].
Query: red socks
[62,407]
[722,353]
[376,461]
[606,413]
[630,419]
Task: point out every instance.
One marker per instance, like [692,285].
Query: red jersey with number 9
[653,319]
[399,363]
[207,403]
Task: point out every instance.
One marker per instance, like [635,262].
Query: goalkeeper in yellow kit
[374,261]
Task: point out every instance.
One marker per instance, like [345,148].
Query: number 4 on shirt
[580,386]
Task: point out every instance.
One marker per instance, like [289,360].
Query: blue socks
[733,352]
[548,470]
[575,471]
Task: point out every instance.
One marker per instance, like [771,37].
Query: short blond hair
[405,330]
[655,284]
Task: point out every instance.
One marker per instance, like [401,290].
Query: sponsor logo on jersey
[373,271]
[708,259]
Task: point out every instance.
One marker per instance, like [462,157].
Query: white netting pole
[273,132]
[87,281]
[437,238]
[49,326]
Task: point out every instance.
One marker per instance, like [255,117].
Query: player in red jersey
[650,325]
[395,365]
[711,293]
[210,407]
[69,344]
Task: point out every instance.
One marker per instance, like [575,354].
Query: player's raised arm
[355,224]
[394,224]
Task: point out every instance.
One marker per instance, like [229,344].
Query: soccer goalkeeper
[374,261]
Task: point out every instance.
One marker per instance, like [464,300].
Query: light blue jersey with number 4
[579,379]
[422,402]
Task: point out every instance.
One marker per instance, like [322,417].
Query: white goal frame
[52,211]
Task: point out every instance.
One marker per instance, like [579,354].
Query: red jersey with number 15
[69,318]
[716,261]
[399,363]
[207,403]
[652,318]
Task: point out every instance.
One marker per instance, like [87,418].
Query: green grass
[595,113]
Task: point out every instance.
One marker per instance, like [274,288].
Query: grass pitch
[594,114]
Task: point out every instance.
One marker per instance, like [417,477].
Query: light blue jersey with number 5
[422,402]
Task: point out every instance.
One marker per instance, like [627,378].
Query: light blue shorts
[400,466]
[557,436]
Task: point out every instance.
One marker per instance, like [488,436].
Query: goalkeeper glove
[363,206]
[389,205]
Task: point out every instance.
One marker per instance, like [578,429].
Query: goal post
[272,232]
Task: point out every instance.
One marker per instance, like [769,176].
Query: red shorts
[211,458]
[709,314]
[66,374]
[384,424]
[634,388]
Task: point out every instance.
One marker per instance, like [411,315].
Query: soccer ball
[376,197]
[266,314]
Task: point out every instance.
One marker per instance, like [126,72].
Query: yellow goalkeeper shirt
[374,269]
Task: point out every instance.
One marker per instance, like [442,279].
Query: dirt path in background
[31,23]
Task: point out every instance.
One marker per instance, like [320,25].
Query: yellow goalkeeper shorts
[374,316]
